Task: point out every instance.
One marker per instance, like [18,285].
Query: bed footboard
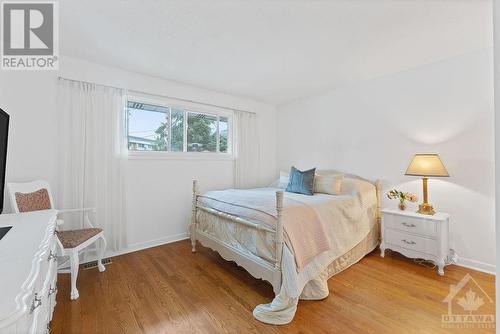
[192,227]
[257,267]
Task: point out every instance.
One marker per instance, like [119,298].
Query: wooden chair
[33,196]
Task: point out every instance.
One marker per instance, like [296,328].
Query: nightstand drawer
[410,224]
[411,242]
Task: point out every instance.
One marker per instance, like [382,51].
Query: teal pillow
[301,182]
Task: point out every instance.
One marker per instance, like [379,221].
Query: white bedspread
[312,224]
[347,219]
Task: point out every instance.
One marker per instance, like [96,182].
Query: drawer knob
[36,303]
[52,256]
[408,225]
[52,290]
[411,242]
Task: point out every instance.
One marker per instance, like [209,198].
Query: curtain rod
[164,96]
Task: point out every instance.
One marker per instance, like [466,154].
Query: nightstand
[417,236]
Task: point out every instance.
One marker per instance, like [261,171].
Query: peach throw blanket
[312,224]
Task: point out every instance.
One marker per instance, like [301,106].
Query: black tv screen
[4,134]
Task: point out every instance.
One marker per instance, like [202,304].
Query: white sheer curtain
[92,155]
[246,149]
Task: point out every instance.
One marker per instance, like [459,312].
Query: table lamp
[426,165]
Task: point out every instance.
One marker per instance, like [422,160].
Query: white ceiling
[272,51]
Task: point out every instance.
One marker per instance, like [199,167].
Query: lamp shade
[426,165]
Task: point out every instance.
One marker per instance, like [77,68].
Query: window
[157,126]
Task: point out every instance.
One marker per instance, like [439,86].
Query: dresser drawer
[42,305]
[411,242]
[30,276]
[423,227]
[40,315]
[52,295]
[23,324]
[47,264]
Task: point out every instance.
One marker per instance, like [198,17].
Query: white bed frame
[259,268]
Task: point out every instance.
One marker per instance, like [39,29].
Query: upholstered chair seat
[74,238]
[36,195]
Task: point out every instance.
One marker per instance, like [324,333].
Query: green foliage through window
[161,128]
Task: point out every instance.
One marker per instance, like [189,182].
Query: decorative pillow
[301,182]
[328,184]
[37,200]
[282,182]
[284,179]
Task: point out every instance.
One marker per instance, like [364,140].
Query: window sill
[151,155]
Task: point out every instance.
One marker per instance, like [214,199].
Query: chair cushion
[37,200]
[74,238]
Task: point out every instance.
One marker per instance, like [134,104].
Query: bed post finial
[192,227]
[378,186]
[279,228]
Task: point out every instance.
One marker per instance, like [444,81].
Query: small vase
[402,206]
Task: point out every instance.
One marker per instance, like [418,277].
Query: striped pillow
[328,184]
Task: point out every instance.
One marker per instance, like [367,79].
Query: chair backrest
[26,188]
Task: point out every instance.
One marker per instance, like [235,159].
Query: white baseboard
[462,262]
[153,243]
[91,256]
[477,265]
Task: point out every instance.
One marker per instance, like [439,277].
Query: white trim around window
[187,108]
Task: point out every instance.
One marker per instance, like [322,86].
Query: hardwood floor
[168,289]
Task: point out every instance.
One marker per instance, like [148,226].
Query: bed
[263,231]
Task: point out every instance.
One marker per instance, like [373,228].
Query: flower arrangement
[402,197]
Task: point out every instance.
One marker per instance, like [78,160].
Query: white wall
[158,191]
[30,100]
[373,128]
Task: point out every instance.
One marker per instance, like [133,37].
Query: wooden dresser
[28,272]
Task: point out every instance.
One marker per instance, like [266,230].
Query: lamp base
[426,209]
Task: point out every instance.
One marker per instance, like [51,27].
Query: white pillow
[284,178]
[328,183]
[282,182]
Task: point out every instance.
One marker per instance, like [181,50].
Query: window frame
[187,107]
